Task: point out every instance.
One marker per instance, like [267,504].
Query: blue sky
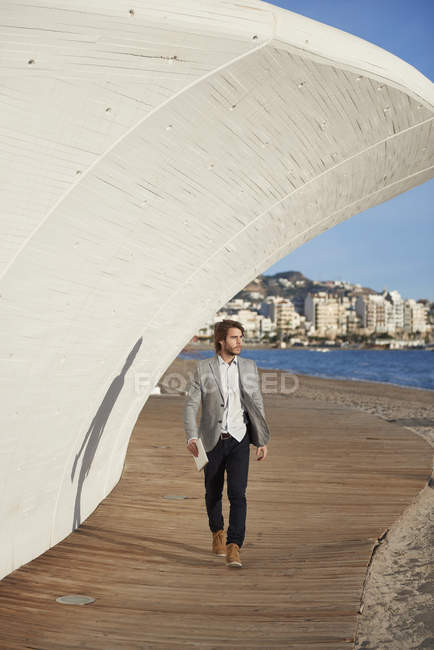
[390,245]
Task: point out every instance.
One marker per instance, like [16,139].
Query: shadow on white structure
[155,157]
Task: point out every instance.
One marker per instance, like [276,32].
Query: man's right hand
[192,447]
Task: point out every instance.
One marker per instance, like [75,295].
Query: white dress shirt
[234,419]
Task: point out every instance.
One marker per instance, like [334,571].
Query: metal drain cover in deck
[175,496]
[75,599]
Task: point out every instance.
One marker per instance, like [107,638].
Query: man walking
[227,387]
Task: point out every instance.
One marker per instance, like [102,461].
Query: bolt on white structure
[155,157]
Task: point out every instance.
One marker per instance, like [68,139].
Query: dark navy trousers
[232,456]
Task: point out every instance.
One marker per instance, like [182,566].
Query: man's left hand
[261,453]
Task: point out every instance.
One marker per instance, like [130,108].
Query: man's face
[233,342]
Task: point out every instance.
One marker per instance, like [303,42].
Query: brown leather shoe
[218,545]
[233,555]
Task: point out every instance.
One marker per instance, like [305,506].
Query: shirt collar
[221,360]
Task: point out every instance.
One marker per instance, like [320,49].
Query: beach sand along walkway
[335,480]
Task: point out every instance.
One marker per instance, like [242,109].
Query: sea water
[414,368]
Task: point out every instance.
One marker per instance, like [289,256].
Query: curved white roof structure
[156,156]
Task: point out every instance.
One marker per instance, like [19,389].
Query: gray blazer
[205,389]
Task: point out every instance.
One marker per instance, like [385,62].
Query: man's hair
[221,329]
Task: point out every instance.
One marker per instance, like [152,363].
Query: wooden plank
[335,478]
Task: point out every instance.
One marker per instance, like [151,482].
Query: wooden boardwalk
[334,480]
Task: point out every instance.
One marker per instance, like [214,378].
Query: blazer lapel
[240,362]
[241,369]
[214,365]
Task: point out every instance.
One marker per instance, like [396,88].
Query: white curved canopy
[154,159]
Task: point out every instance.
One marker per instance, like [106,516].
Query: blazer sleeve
[191,406]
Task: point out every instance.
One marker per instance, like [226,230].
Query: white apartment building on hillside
[389,313]
[376,314]
[282,313]
[324,313]
[415,316]
[268,306]
[397,302]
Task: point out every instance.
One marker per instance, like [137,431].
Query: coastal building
[286,283]
[236,304]
[283,315]
[395,299]
[266,326]
[415,316]
[267,307]
[204,333]
[353,321]
[347,320]
[401,344]
[255,295]
[324,313]
[376,314]
[286,317]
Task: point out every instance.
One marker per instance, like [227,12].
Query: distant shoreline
[191,347]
